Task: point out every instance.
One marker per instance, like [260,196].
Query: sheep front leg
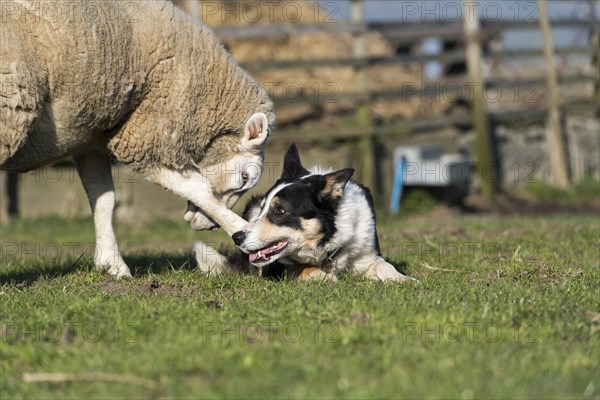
[95,174]
[195,187]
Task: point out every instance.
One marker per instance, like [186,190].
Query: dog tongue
[254,256]
[261,254]
[264,253]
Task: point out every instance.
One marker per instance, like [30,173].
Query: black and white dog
[311,224]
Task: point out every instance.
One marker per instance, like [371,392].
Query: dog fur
[310,224]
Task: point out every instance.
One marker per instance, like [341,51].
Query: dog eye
[279,210]
[245,177]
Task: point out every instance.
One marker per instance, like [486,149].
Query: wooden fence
[406,33]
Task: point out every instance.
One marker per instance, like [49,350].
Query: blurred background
[475,105]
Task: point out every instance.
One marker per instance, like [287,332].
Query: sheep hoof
[126,276]
[119,271]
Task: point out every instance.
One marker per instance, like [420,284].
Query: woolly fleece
[140,79]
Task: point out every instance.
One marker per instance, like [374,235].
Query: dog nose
[238,237]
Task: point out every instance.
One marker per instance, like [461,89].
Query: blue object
[397,186]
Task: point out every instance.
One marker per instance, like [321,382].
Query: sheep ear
[292,166]
[256,132]
[335,183]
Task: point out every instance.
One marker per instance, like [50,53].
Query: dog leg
[95,174]
[385,272]
[194,187]
[305,273]
[209,260]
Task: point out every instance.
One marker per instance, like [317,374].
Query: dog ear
[256,132]
[335,183]
[292,166]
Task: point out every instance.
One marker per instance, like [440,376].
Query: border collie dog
[310,224]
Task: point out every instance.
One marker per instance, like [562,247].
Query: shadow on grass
[399,265]
[24,275]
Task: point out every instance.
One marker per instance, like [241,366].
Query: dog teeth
[265,254]
[258,255]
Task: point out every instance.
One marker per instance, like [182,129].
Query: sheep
[141,81]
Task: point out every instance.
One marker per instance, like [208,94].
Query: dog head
[231,178]
[296,216]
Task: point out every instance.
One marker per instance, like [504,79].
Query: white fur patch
[355,225]
[270,197]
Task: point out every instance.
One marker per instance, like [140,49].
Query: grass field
[504,307]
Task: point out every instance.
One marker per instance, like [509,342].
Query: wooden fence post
[126,211]
[366,146]
[595,42]
[486,170]
[3,198]
[554,134]
[9,196]
[12,186]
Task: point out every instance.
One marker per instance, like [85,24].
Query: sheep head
[232,177]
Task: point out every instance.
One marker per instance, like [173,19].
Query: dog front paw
[313,273]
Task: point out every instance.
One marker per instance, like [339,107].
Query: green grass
[417,201]
[512,310]
[586,190]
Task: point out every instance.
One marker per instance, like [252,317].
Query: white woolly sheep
[140,80]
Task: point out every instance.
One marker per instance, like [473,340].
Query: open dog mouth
[266,253]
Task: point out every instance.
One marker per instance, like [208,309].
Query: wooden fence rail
[411,90]
[407,31]
[448,57]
